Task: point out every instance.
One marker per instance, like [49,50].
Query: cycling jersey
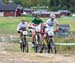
[22,26]
[50,25]
[37,22]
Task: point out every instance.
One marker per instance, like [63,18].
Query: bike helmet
[52,16]
[37,15]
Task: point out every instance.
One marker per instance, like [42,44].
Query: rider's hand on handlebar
[57,30]
[21,31]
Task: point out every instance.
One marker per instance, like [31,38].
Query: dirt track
[18,57]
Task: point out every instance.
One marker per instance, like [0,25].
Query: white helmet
[52,16]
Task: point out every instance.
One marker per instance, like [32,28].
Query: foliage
[9,24]
[52,4]
[17,1]
[5,1]
[72,9]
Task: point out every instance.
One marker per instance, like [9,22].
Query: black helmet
[37,15]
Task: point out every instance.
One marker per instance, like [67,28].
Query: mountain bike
[50,41]
[37,39]
[24,44]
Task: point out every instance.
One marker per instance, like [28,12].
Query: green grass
[60,49]
[9,24]
[15,47]
[65,49]
[68,20]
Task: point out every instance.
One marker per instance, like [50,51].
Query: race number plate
[24,32]
[50,33]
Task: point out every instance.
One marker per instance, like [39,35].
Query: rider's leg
[33,36]
[44,40]
[53,46]
[45,36]
[53,42]
[20,37]
[20,41]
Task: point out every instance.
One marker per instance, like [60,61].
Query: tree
[72,3]
[26,3]
[17,1]
[5,1]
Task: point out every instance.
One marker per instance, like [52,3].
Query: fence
[15,38]
[8,38]
[63,30]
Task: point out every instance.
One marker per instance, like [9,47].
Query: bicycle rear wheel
[24,45]
[51,47]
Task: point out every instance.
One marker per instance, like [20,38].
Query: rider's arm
[18,27]
[41,20]
[33,20]
[48,22]
[27,25]
[57,25]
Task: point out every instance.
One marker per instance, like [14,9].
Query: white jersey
[50,24]
[22,25]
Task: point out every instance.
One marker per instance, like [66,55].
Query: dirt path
[18,57]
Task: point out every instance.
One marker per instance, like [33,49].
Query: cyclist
[50,25]
[36,21]
[22,27]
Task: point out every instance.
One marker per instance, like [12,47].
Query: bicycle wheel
[23,45]
[36,42]
[27,47]
[51,46]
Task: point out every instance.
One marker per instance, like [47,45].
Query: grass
[68,20]
[65,49]
[60,49]
[15,47]
[8,25]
